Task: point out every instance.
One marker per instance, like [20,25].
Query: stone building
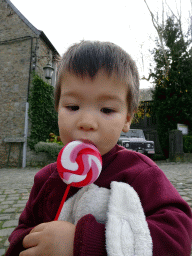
[23,49]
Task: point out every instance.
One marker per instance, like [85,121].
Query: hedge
[42,114]
[52,149]
[187,144]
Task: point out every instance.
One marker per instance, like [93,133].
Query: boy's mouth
[88,142]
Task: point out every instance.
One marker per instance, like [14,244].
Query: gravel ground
[15,186]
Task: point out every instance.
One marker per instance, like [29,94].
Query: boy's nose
[87,122]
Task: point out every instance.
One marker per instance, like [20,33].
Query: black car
[135,140]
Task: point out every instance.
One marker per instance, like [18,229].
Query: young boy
[132,208]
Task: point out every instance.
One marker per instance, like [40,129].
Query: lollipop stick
[62,202]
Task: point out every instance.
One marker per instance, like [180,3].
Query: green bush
[42,114]
[187,144]
[52,149]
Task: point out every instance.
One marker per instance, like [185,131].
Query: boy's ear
[127,124]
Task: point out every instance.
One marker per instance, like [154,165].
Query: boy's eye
[73,108]
[107,110]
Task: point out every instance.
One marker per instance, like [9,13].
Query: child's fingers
[29,252]
[39,227]
[31,240]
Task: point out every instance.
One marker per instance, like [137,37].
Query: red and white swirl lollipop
[79,164]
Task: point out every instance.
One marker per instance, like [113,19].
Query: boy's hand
[49,239]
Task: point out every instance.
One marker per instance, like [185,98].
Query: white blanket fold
[127,231]
[120,209]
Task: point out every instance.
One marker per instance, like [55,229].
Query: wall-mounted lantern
[48,71]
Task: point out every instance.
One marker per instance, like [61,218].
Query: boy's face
[93,110]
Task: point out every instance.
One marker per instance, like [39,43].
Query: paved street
[15,186]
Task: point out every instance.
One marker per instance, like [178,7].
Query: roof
[34,29]
[145,95]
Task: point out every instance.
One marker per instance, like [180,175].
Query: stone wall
[21,51]
[11,25]
[14,77]
[15,54]
[176,146]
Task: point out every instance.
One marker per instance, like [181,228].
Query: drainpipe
[25,136]
[26,113]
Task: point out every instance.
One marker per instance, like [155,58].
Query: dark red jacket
[168,216]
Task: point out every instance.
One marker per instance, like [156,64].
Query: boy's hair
[86,58]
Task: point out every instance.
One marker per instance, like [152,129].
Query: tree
[172,93]
[142,112]
[159,28]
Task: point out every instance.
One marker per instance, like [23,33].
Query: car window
[134,134]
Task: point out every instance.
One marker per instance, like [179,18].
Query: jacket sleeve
[89,237]
[168,216]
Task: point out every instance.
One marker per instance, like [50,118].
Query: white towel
[120,209]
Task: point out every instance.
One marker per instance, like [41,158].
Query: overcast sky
[126,23]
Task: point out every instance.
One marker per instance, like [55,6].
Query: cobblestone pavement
[15,186]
